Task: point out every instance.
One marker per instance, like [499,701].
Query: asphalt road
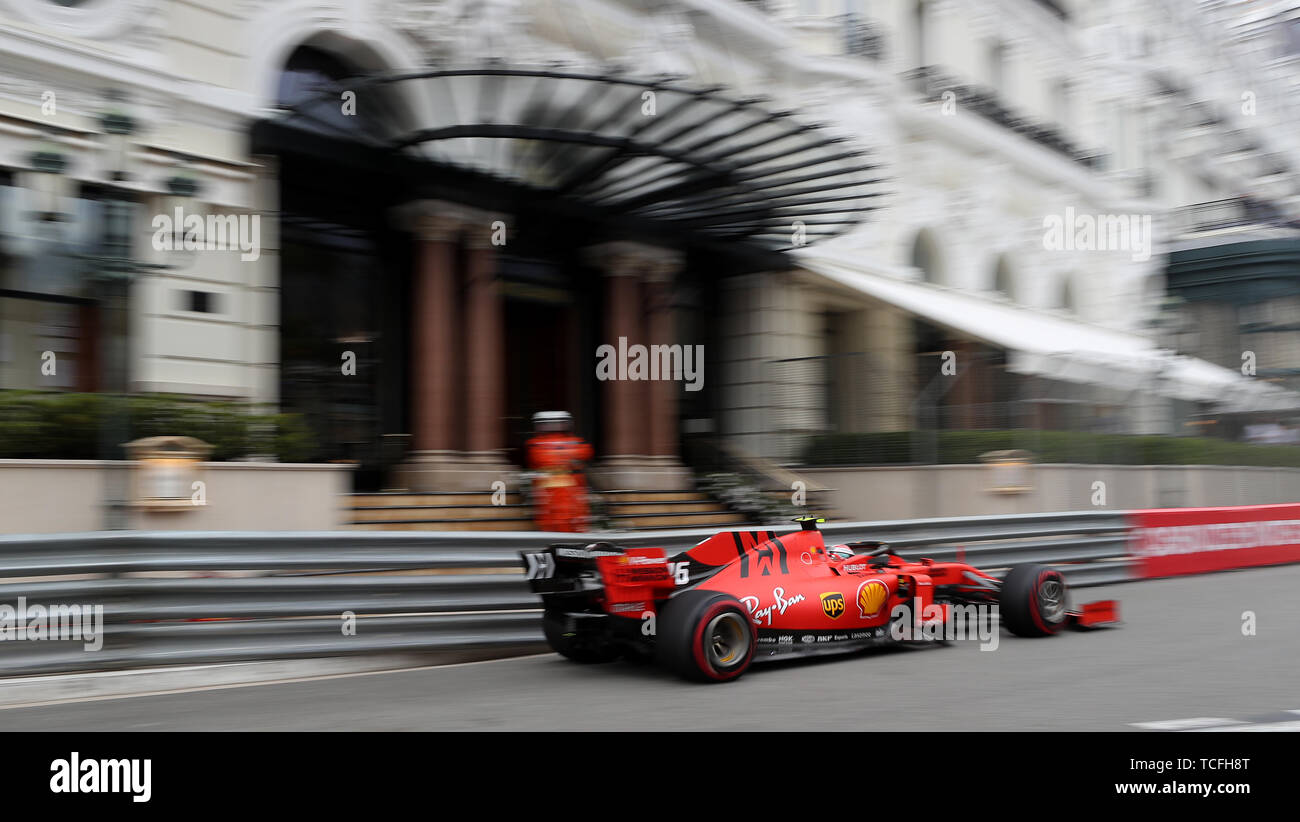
[1180,654]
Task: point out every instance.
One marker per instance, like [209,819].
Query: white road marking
[1186,724]
[224,686]
[1293,726]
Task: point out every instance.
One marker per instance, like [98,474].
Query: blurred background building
[836,198]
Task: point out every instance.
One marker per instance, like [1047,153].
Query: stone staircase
[445,511]
[655,510]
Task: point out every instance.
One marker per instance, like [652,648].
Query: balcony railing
[1234,212]
[862,38]
[933,83]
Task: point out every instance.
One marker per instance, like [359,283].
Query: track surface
[1180,654]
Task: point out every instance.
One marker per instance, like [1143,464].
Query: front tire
[705,636]
[570,645]
[1034,600]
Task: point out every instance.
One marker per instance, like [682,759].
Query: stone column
[640,447]
[882,378]
[623,330]
[435,320]
[662,394]
[485,376]
[457,379]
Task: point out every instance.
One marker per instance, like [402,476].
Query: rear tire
[1034,600]
[705,636]
[585,650]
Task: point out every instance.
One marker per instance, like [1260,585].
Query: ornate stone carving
[137,23]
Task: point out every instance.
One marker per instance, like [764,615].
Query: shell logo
[871,598]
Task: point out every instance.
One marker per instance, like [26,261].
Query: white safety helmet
[838,552]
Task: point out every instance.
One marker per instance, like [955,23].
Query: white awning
[1042,344]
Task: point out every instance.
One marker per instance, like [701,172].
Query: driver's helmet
[838,552]
[552,422]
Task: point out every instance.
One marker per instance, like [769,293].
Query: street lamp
[182,192]
[118,126]
[48,183]
[113,271]
[1167,326]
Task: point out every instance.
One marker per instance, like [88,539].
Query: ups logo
[833,605]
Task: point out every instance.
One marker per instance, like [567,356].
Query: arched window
[926,257]
[1068,302]
[309,72]
[1003,282]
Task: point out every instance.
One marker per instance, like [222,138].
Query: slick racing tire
[578,649]
[1033,600]
[705,636]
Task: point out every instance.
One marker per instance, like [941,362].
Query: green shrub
[40,425]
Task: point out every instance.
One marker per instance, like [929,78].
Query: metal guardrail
[283,595]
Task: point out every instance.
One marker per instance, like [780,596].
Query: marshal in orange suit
[560,493]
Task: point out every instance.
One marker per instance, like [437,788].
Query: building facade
[420,291]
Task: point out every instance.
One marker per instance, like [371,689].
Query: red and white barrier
[1174,541]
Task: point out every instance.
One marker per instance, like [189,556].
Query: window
[1068,302]
[997,58]
[1002,280]
[202,302]
[918,44]
[1061,98]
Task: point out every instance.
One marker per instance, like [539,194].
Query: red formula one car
[742,596]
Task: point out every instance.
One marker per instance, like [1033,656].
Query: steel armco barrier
[184,597]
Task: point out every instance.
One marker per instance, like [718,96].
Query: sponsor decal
[680,572]
[627,607]
[833,604]
[648,561]
[871,598]
[807,638]
[768,556]
[779,604]
[1198,540]
[857,568]
[540,566]
[584,553]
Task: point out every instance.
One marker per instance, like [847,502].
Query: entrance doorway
[541,366]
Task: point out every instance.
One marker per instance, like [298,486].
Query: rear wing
[609,576]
